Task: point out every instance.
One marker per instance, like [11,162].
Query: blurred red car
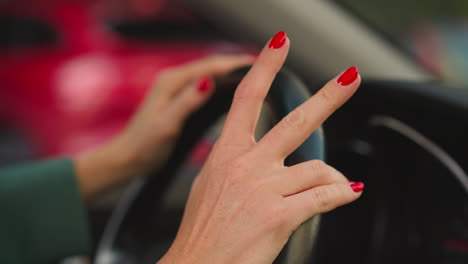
[71,76]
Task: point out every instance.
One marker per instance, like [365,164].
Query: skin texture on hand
[149,138]
[245,203]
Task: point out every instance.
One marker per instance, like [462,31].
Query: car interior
[403,134]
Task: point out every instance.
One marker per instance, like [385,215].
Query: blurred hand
[245,203]
[149,138]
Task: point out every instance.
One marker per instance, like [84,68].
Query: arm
[148,139]
[41,204]
[245,203]
[42,214]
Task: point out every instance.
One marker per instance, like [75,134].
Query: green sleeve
[42,217]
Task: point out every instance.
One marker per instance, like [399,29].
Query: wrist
[130,158]
[196,252]
[103,167]
[170,258]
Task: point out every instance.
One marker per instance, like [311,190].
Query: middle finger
[297,126]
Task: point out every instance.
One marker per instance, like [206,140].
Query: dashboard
[407,142]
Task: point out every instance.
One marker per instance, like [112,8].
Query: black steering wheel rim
[131,226]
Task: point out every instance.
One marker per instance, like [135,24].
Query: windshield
[433,32]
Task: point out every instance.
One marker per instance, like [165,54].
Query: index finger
[249,96]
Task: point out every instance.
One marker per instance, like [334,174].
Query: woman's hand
[149,137]
[245,203]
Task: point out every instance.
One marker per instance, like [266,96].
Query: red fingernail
[349,76]
[350,180]
[357,186]
[204,85]
[278,40]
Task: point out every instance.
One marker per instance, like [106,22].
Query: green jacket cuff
[43,216]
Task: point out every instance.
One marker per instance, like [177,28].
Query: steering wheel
[140,230]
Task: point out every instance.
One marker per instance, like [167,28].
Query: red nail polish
[350,180]
[278,40]
[204,85]
[357,186]
[349,76]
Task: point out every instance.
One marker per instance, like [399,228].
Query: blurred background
[433,32]
[72,72]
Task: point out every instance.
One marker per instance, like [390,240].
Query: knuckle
[339,196]
[215,59]
[169,132]
[339,175]
[277,217]
[189,104]
[328,96]
[245,92]
[322,198]
[294,120]
[166,75]
[222,60]
[242,94]
[236,168]
[320,167]
[212,62]
[238,164]
[270,65]
[234,181]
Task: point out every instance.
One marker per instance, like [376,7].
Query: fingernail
[350,180]
[204,85]
[357,186]
[278,40]
[348,77]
